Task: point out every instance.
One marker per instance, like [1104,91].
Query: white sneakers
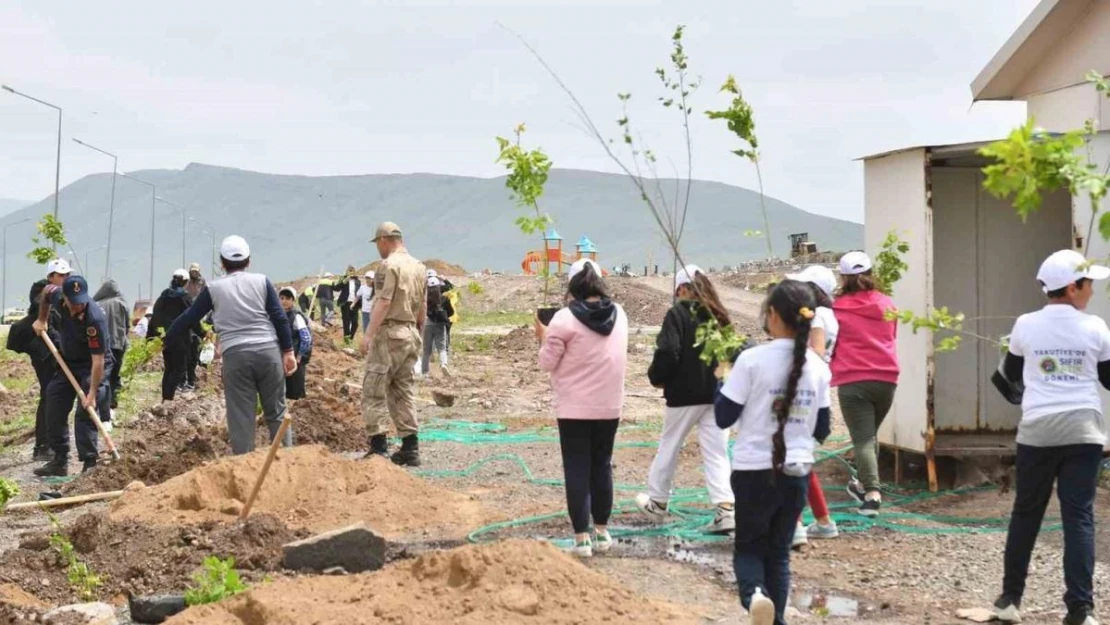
[800,537]
[600,543]
[650,508]
[584,549]
[762,609]
[603,542]
[724,522]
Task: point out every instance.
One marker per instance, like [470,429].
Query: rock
[443,400]
[81,614]
[134,485]
[355,548]
[155,608]
[159,410]
[351,352]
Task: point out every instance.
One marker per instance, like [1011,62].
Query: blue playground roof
[552,235]
[586,245]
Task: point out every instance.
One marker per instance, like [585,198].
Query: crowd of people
[771,395]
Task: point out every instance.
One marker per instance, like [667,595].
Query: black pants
[767,509]
[176,359]
[44,371]
[114,384]
[193,360]
[61,398]
[449,324]
[1074,468]
[587,447]
[350,320]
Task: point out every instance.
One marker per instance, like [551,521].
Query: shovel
[77,387]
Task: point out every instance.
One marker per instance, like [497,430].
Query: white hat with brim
[288,289]
[59,266]
[579,265]
[181,273]
[822,276]
[854,263]
[235,248]
[369,274]
[1066,267]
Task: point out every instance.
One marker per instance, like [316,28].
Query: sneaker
[1007,610]
[1083,615]
[603,541]
[762,609]
[856,490]
[800,539]
[584,549]
[58,467]
[445,371]
[870,508]
[821,531]
[724,522]
[651,508]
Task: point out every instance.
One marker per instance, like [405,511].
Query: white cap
[58,265]
[817,274]
[579,265]
[181,273]
[329,275]
[686,275]
[432,273]
[288,289]
[1067,266]
[235,248]
[369,274]
[434,281]
[854,263]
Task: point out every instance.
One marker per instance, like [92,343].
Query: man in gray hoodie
[118,314]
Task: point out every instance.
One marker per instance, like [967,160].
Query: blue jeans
[1074,469]
[365,321]
[767,509]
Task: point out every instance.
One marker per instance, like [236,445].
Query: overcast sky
[344,87]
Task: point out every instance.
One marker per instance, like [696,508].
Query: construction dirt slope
[310,488]
[514,581]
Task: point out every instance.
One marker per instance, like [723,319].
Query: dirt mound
[506,582]
[519,340]
[330,420]
[645,306]
[310,488]
[135,557]
[445,268]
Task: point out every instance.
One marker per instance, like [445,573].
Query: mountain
[297,225]
[8,205]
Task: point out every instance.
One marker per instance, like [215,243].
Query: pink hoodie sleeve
[554,346]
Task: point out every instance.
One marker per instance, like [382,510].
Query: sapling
[217,581]
[51,233]
[528,172]
[80,577]
[9,490]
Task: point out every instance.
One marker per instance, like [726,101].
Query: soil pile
[445,268]
[135,557]
[332,420]
[520,340]
[644,305]
[309,488]
[506,582]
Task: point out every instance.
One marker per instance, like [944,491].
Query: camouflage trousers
[388,384]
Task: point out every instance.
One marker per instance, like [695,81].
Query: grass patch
[495,318]
[473,342]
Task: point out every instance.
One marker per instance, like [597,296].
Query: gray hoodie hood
[108,290]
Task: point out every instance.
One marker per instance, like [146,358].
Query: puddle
[825,604]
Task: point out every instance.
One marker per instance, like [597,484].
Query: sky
[344,87]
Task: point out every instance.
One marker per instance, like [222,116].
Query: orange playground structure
[553,252]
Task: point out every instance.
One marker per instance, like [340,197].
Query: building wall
[895,198]
[1085,47]
[1099,249]
[1069,108]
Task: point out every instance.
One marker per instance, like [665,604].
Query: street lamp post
[58,158]
[4,275]
[212,232]
[184,225]
[95,249]
[111,205]
[153,201]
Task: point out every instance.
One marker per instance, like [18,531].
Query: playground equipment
[553,253]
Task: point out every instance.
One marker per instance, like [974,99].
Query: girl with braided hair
[776,398]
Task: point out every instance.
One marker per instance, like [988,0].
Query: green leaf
[1104,226]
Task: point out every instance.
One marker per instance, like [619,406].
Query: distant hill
[298,224]
[8,205]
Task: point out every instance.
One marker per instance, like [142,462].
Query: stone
[355,548]
[351,352]
[81,614]
[159,410]
[443,400]
[155,608]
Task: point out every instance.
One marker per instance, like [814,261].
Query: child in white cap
[1061,355]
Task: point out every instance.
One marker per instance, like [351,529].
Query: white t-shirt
[825,319]
[366,293]
[299,323]
[1062,347]
[756,381]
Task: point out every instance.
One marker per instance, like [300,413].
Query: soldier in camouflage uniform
[392,344]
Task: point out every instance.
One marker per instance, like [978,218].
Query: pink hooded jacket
[587,368]
[867,346]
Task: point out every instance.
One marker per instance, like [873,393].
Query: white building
[970,251]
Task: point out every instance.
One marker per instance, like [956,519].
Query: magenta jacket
[587,368]
[867,346]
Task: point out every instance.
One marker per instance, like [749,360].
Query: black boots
[42,454]
[379,446]
[58,467]
[409,454]
[88,465]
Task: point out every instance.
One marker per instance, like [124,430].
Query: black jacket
[23,340]
[343,292]
[677,365]
[169,306]
[439,307]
